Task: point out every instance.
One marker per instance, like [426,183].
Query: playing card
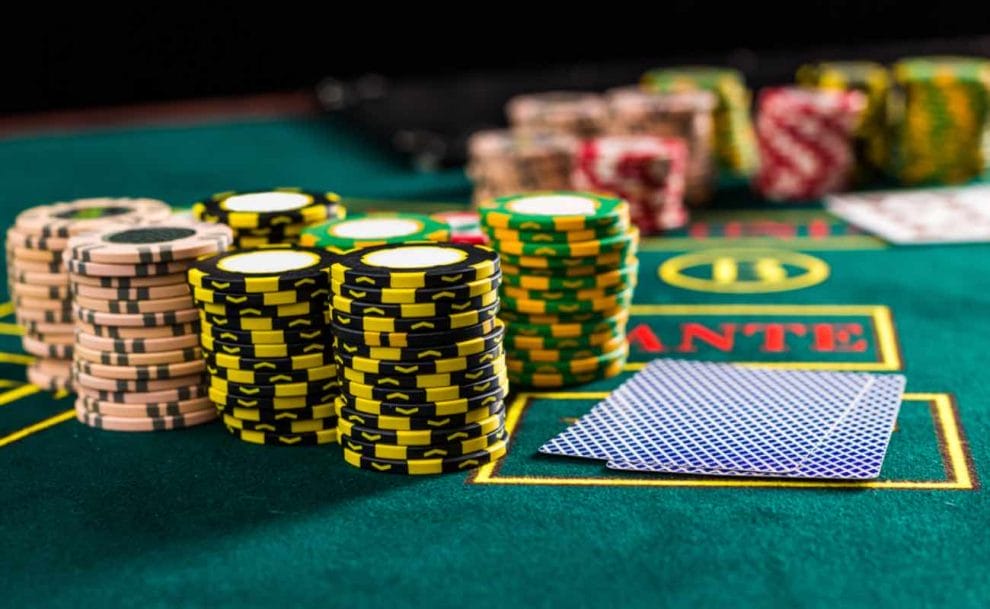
[935,215]
[714,416]
[854,451]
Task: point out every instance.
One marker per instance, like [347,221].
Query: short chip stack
[569,270]
[684,114]
[268,217]
[422,367]
[806,144]
[569,112]
[341,236]
[647,171]
[872,80]
[735,142]
[266,336]
[39,284]
[136,365]
[942,106]
[502,162]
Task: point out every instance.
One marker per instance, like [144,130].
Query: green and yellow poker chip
[554,211]
[374,229]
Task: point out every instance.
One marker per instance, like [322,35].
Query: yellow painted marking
[768,265]
[16,358]
[6,309]
[724,270]
[15,394]
[11,329]
[40,426]
[961,479]
[840,243]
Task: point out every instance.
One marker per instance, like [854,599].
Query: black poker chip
[416,265]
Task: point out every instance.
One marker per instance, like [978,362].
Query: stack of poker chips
[940,114]
[502,162]
[569,270]
[735,143]
[268,217]
[136,365]
[686,114]
[420,356]
[872,80]
[805,138]
[341,236]
[647,171]
[578,114]
[266,337]
[39,284]
[465,226]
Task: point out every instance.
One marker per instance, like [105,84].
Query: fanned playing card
[855,451]
[701,416]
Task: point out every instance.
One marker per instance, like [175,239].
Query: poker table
[197,518]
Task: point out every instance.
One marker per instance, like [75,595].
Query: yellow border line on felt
[945,421]
[838,243]
[6,309]
[39,426]
[883,325]
[11,329]
[15,394]
[16,358]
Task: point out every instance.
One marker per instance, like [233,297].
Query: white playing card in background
[915,217]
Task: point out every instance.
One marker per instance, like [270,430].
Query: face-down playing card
[708,416]
[854,451]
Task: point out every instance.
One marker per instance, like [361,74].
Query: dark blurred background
[437,73]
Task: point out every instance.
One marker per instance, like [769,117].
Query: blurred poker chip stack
[735,142]
[344,235]
[872,80]
[647,171]
[805,138]
[503,162]
[940,112]
[38,282]
[686,114]
[266,337]
[465,226]
[578,114]
[136,364]
[569,271]
[268,217]
[420,356]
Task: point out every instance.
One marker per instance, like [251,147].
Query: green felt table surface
[195,518]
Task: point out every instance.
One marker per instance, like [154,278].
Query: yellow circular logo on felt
[744,271]
[414,256]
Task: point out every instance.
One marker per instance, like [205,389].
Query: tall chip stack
[341,236]
[569,270]
[266,335]
[687,115]
[943,100]
[573,113]
[136,364]
[502,162]
[872,80]
[268,217]
[38,282]
[735,141]
[806,144]
[647,171]
[420,357]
